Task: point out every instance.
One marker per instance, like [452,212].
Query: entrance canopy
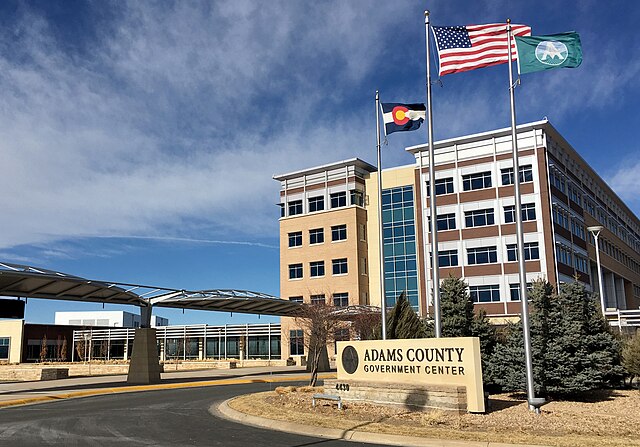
[28,282]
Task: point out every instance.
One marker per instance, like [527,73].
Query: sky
[138,139]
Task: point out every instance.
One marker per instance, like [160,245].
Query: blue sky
[139,139]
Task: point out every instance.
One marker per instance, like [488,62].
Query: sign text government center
[329,248]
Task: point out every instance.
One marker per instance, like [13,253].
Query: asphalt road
[175,417]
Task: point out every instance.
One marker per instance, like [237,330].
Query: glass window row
[316,268]
[340,299]
[316,235]
[480,180]
[484,217]
[317,203]
[487,255]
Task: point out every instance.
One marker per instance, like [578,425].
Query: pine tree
[456,308]
[573,350]
[459,319]
[486,332]
[631,357]
[403,322]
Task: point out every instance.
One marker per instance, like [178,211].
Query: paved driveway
[174,417]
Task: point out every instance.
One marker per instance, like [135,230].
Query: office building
[329,226]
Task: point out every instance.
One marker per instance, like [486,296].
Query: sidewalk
[19,393]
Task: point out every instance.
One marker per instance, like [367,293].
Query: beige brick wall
[13,329]
[354,249]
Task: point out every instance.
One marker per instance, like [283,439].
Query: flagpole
[519,233]
[383,300]
[435,273]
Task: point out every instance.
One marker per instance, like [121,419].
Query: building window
[399,249]
[479,218]
[295,207]
[531,251]
[514,291]
[482,255]
[295,271]
[317,268]
[338,233]
[443,186]
[582,264]
[295,239]
[485,294]
[4,348]
[558,181]
[357,197]
[447,258]
[338,199]
[341,299]
[479,180]
[560,217]
[445,222]
[526,175]
[318,299]
[316,236]
[296,299]
[296,342]
[578,229]
[281,209]
[339,266]
[528,212]
[591,206]
[574,194]
[316,203]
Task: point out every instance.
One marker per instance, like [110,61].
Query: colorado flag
[400,117]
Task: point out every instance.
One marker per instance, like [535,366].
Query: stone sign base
[410,396]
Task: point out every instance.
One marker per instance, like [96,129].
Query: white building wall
[115,318]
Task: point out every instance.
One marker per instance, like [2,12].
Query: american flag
[462,48]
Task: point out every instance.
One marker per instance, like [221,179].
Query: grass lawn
[605,418]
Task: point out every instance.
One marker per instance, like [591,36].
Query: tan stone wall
[354,249]
[14,330]
[33,371]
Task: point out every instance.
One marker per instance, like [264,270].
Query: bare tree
[63,350]
[43,349]
[80,348]
[104,349]
[59,349]
[367,324]
[319,324]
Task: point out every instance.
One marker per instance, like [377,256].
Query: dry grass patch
[607,419]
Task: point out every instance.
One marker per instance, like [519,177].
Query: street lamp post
[595,231]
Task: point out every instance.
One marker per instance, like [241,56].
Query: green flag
[536,53]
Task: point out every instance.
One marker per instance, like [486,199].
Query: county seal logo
[551,52]
[350,359]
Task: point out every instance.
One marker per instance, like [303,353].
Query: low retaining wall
[26,372]
[448,398]
[18,374]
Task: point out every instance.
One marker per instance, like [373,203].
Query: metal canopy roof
[29,282]
[228,300]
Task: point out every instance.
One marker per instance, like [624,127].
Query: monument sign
[421,365]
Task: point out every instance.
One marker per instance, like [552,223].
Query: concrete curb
[225,411]
[154,387]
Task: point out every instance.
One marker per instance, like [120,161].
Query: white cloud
[172,122]
[165,127]
[625,181]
